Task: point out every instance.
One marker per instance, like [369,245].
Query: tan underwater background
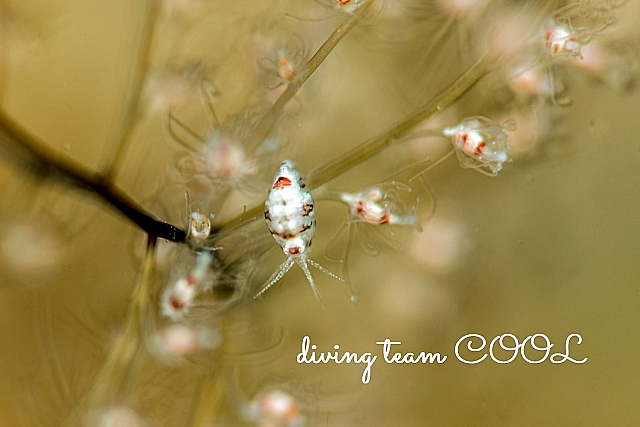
[550,246]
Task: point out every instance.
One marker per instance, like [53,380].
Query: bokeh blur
[549,246]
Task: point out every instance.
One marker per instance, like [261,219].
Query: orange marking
[282,182]
[291,413]
[286,70]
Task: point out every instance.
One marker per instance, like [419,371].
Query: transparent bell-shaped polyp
[569,29]
[346,6]
[192,276]
[275,408]
[481,143]
[381,204]
[224,160]
[285,61]
[175,342]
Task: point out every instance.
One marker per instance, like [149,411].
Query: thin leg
[302,262]
[277,275]
[324,270]
[334,241]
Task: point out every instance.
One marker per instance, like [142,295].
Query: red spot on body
[480,149]
[176,304]
[190,280]
[282,182]
[548,36]
[294,250]
[385,218]
[286,70]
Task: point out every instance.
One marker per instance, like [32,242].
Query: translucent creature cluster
[234,160]
[250,187]
[235,157]
[566,44]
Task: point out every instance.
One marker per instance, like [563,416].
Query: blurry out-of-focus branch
[26,151]
[395,134]
[265,126]
[133,112]
[113,374]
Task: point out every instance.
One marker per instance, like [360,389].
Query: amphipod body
[291,218]
[289,211]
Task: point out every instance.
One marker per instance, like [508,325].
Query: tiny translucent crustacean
[178,298]
[286,62]
[530,82]
[200,227]
[377,205]
[373,214]
[348,6]
[179,340]
[291,218]
[572,27]
[481,143]
[276,408]
[287,70]
[561,40]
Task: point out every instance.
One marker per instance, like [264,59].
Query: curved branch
[32,155]
[267,122]
[393,135]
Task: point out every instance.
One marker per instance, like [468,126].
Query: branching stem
[134,113]
[393,135]
[113,374]
[267,122]
[34,156]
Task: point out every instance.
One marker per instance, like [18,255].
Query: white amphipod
[291,218]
